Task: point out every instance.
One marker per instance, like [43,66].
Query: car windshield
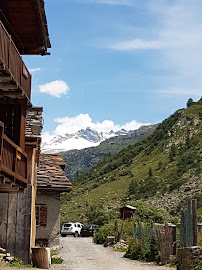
[87,227]
[67,225]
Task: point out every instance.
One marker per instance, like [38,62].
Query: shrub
[136,251]
[16,262]
[148,252]
[103,232]
[56,260]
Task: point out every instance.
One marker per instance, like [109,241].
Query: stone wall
[51,232]
[189,258]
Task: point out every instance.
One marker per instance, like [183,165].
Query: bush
[103,232]
[56,260]
[97,215]
[136,251]
[16,262]
[149,252]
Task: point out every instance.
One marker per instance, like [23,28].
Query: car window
[67,225]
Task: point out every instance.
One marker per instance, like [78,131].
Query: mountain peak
[83,138]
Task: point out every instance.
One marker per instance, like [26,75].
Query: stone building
[51,181]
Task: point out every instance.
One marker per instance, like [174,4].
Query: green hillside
[79,161]
[160,171]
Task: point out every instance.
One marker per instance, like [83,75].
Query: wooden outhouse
[127,211]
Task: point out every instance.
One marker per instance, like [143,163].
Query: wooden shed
[127,211]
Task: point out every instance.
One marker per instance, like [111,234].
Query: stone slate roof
[33,114]
[51,175]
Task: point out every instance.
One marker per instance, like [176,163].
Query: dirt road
[82,254]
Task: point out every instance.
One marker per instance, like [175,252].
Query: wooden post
[194,223]
[116,231]
[174,234]
[23,125]
[41,257]
[121,232]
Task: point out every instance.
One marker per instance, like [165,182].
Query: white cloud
[137,44]
[175,35]
[82,121]
[112,2]
[70,125]
[55,88]
[32,70]
[186,92]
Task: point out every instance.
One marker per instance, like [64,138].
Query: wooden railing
[13,160]
[12,59]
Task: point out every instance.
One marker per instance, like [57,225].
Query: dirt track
[82,254]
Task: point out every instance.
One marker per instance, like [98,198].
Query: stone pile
[4,256]
[121,246]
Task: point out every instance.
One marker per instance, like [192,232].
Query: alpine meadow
[157,175]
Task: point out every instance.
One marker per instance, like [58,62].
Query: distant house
[127,211]
[51,181]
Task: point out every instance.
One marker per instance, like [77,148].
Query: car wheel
[76,234]
[63,235]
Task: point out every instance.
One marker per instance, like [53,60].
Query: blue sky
[114,62]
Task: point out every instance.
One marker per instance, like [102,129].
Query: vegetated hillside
[162,170]
[79,161]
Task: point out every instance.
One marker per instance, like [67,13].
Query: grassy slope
[79,161]
[173,152]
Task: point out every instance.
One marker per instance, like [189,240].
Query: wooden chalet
[23,30]
[51,181]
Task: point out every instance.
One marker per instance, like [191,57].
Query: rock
[110,240]
[2,250]
[188,257]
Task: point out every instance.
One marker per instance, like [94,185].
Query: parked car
[71,229]
[89,230]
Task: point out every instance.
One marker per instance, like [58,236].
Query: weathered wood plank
[11,230]
[3,219]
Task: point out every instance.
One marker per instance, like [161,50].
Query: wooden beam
[23,126]
[8,86]
[5,79]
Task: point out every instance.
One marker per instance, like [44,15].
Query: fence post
[194,223]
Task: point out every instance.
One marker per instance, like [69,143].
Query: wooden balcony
[13,165]
[15,79]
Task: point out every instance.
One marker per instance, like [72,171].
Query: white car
[71,229]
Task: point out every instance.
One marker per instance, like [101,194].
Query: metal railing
[13,160]
[11,58]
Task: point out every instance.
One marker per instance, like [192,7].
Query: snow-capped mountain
[83,138]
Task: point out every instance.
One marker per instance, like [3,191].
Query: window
[41,215]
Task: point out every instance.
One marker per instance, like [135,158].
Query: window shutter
[43,216]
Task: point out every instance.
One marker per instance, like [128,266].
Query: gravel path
[83,254]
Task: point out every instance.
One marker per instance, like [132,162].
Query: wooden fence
[13,160]
[164,233]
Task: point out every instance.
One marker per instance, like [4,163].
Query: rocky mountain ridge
[81,139]
[79,161]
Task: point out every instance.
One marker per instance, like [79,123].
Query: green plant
[136,251]
[148,251]
[56,260]
[103,232]
[16,262]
